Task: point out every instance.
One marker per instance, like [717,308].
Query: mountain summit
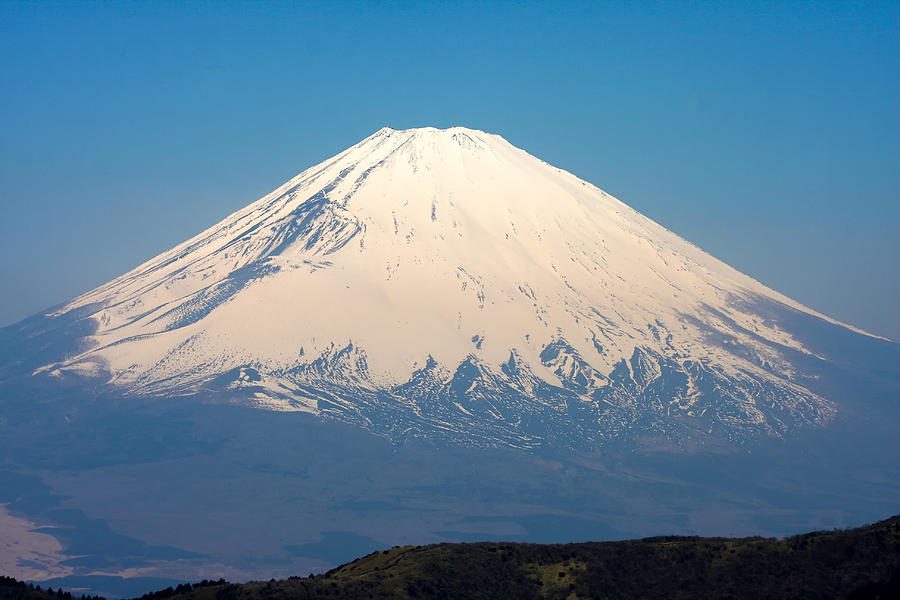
[446,284]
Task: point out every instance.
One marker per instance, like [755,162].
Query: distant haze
[765,135]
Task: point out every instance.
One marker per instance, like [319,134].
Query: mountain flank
[856,563]
[447,285]
[431,336]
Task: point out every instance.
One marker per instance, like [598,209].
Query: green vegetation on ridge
[858,563]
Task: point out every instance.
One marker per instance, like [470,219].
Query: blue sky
[766,133]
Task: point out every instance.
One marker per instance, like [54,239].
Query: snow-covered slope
[428,282]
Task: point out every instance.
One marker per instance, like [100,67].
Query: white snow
[415,242]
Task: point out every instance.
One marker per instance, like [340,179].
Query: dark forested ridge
[856,563]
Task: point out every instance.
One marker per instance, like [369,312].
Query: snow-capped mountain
[444,283]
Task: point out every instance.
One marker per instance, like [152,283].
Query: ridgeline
[857,563]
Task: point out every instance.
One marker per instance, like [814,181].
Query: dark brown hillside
[858,563]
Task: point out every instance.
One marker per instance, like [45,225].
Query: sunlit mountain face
[443,283]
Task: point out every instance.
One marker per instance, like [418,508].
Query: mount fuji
[432,336]
[444,284]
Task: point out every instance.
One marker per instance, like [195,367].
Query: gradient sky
[766,133]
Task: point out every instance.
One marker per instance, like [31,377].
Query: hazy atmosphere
[449,300]
[765,134]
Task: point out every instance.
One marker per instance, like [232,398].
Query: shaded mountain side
[856,563]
